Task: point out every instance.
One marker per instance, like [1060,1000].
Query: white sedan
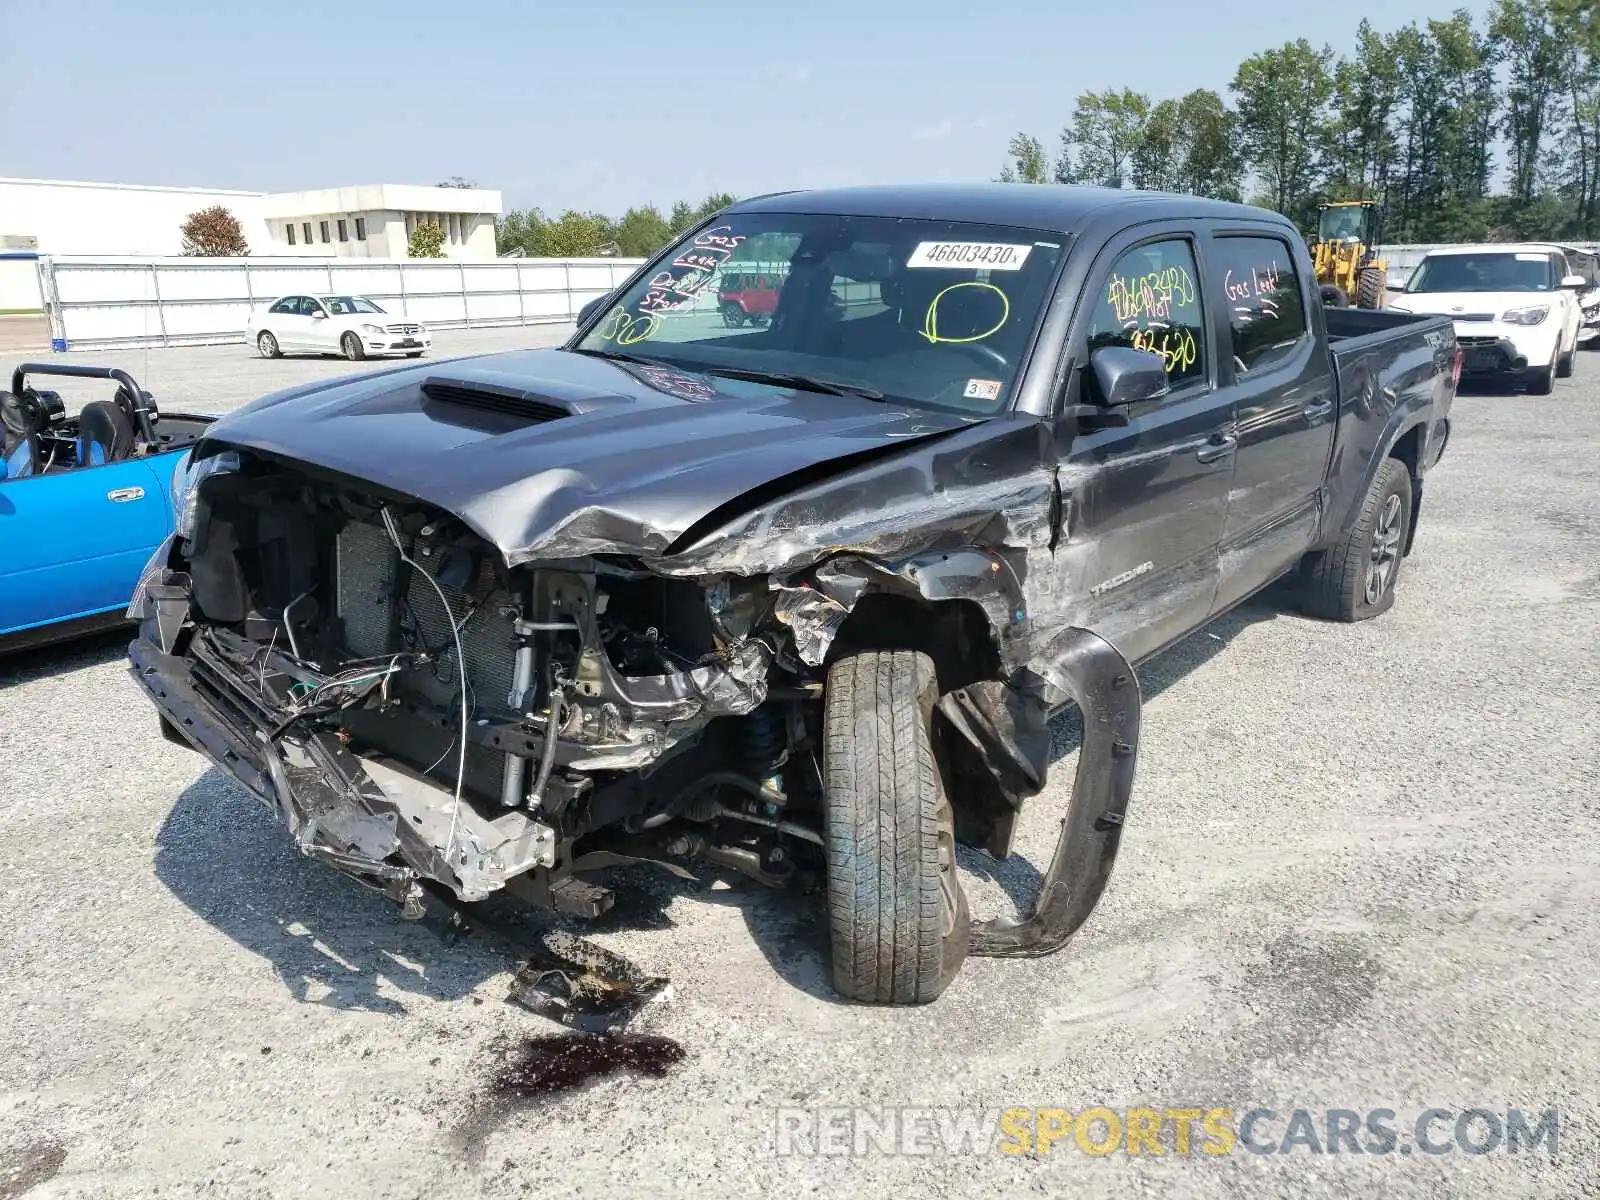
[353,326]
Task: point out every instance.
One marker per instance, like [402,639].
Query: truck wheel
[1370,286]
[1334,296]
[1355,579]
[897,914]
[732,315]
[1542,380]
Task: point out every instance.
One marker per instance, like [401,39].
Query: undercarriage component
[584,986]
[1106,690]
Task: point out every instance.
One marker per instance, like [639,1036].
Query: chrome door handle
[123,495]
[1318,408]
[1217,448]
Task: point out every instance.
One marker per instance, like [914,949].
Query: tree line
[1418,119]
[638,233]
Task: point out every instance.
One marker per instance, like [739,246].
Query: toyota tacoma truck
[795,600]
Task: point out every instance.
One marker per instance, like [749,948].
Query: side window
[323,229]
[290,230]
[289,305]
[1266,309]
[309,307]
[1151,301]
[361,229]
[305,226]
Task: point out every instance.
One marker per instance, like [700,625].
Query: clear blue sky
[596,105]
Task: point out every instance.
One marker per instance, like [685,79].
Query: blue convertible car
[84,501]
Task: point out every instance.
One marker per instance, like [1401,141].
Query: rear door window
[1151,301]
[1266,311]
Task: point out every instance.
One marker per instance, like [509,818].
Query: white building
[63,217]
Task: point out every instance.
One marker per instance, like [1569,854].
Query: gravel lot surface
[1362,871]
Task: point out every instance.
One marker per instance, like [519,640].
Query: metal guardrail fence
[95,302]
[108,302]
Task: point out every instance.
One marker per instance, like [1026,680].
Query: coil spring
[762,741]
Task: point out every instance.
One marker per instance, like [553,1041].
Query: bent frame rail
[1106,689]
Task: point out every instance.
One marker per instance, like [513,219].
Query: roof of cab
[1056,208]
[1499,248]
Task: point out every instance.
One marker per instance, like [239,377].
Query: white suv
[1516,308]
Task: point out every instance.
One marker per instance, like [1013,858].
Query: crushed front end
[432,721]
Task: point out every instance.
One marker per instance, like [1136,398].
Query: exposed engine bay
[500,727]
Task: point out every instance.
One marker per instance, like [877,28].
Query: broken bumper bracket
[1106,690]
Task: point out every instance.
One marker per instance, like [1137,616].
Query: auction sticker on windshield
[982,389]
[997,256]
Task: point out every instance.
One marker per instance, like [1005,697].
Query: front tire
[1542,380]
[732,315]
[267,346]
[1355,580]
[415,353]
[1566,363]
[352,347]
[1370,286]
[897,914]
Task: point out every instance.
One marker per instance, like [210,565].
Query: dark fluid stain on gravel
[543,1066]
[25,1168]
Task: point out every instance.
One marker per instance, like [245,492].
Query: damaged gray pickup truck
[795,598]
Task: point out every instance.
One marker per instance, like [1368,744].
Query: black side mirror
[589,309]
[1123,376]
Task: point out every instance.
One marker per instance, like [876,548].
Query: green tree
[1360,150]
[520,229]
[1580,22]
[641,232]
[1028,162]
[1530,42]
[575,235]
[213,233]
[1098,147]
[1283,98]
[1209,161]
[1156,161]
[426,241]
[681,217]
[714,203]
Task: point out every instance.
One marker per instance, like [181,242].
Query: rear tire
[1370,286]
[732,315]
[1355,580]
[897,914]
[352,347]
[268,346]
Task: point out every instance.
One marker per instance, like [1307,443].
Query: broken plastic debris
[584,986]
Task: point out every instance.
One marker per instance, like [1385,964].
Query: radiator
[366,565]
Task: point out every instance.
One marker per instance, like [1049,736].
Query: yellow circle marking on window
[930,323]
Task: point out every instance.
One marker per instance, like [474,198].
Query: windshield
[1500,272]
[343,306]
[936,314]
[1344,222]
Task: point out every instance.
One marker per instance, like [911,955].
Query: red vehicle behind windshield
[747,298]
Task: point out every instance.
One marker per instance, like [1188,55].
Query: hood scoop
[456,400]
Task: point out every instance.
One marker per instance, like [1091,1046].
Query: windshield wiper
[805,383]
[615,356]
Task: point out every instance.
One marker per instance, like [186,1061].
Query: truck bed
[1350,327]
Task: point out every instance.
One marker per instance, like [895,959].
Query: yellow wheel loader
[1348,269]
